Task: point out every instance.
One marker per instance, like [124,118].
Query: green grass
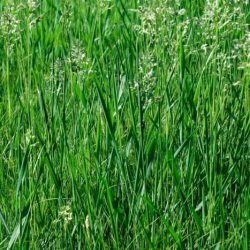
[124,124]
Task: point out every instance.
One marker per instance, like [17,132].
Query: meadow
[125,124]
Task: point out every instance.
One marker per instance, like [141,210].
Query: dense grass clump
[124,124]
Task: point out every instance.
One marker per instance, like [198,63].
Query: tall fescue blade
[4,222]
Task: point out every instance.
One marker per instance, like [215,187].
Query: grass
[124,124]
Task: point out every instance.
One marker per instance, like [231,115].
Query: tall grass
[124,124]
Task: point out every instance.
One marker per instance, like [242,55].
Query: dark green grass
[124,125]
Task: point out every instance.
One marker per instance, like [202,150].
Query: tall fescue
[124,124]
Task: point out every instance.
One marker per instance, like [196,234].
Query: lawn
[125,124]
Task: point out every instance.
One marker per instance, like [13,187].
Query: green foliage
[124,124]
